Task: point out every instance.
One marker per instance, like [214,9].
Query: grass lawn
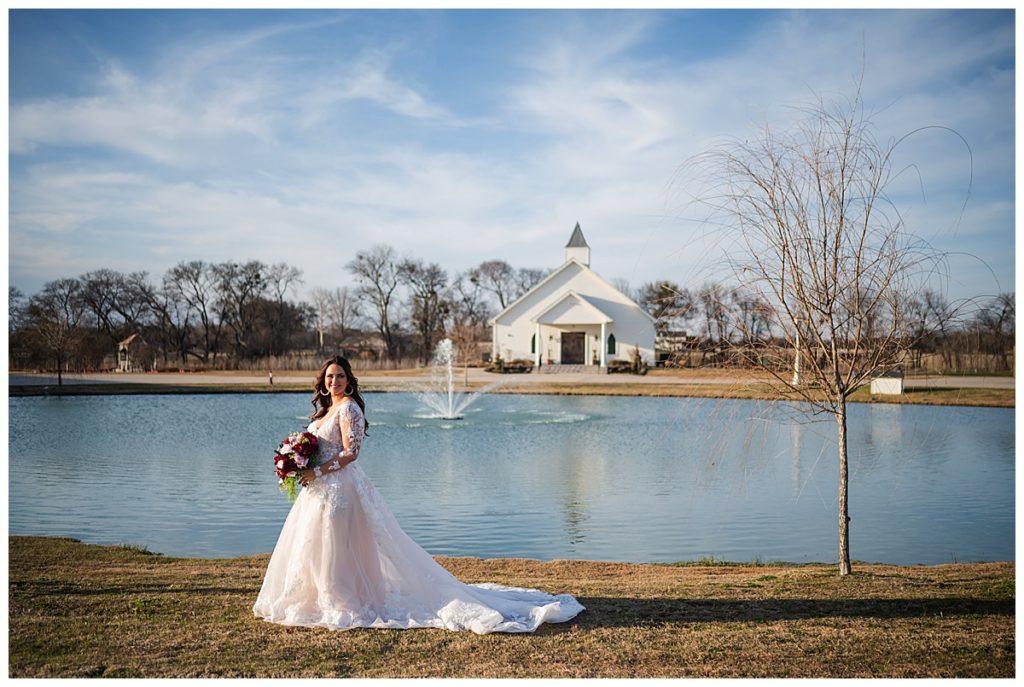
[996,398]
[80,610]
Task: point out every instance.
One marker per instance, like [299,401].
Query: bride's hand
[306,477]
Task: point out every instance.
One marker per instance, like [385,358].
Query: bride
[342,561]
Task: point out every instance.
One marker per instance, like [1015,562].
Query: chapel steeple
[577,247]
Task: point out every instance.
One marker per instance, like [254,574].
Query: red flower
[299,445]
[286,465]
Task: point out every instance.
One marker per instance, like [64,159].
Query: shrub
[519,365]
[635,366]
[516,366]
[619,366]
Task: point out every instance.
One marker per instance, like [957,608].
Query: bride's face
[335,380]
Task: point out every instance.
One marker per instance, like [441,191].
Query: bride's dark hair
[321,402]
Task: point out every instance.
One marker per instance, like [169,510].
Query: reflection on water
[606,478]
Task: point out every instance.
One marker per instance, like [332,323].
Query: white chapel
[573,317]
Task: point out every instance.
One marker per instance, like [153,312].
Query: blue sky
[141,138]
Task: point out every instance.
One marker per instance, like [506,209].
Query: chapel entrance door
[573,344]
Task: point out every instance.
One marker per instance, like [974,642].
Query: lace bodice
[346,421]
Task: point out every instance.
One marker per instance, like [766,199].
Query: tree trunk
[844,483]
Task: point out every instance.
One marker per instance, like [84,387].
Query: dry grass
[82,610]
[996,398]
[1000,398]
[684,373]
[967,396]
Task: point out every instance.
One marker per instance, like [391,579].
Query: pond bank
[995,392]
[79,610]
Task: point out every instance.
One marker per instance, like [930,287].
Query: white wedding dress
[343,562]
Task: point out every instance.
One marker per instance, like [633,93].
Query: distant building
[674,347]
[363,345]
[573,317]
[134,354]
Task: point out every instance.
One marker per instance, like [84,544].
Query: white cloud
[238,152]
[137,117]
[591,112]
[368,79]
[222,97]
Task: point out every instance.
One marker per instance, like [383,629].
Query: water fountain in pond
[440,397]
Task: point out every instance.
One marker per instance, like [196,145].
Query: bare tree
[527,278]
[930,319]
[239,288]
[469,305]
[195,282]
[318,299]
[666,302]
[343,312]
[99,291]
[172,316]
[713,301]
[117,305]
[280,278]
[623,286]
[335,311]
[939,319]
[429,307]
[131,304]
[53,317]
[469,315]
[16,305]
[997,319]
[21,346]
[822,246]
[377,272]
[916,315]
[753,316]
[498,278]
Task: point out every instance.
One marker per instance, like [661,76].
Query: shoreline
[703,561]
[84,610]
[996,392]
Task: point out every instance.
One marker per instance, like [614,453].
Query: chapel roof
[577,240]
[595,310]
[131,338]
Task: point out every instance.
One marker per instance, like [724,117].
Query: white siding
[632,327]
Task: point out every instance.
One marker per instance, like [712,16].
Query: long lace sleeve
[352,425]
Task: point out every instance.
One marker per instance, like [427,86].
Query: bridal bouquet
[296,452]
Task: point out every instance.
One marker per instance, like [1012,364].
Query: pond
[584,477]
